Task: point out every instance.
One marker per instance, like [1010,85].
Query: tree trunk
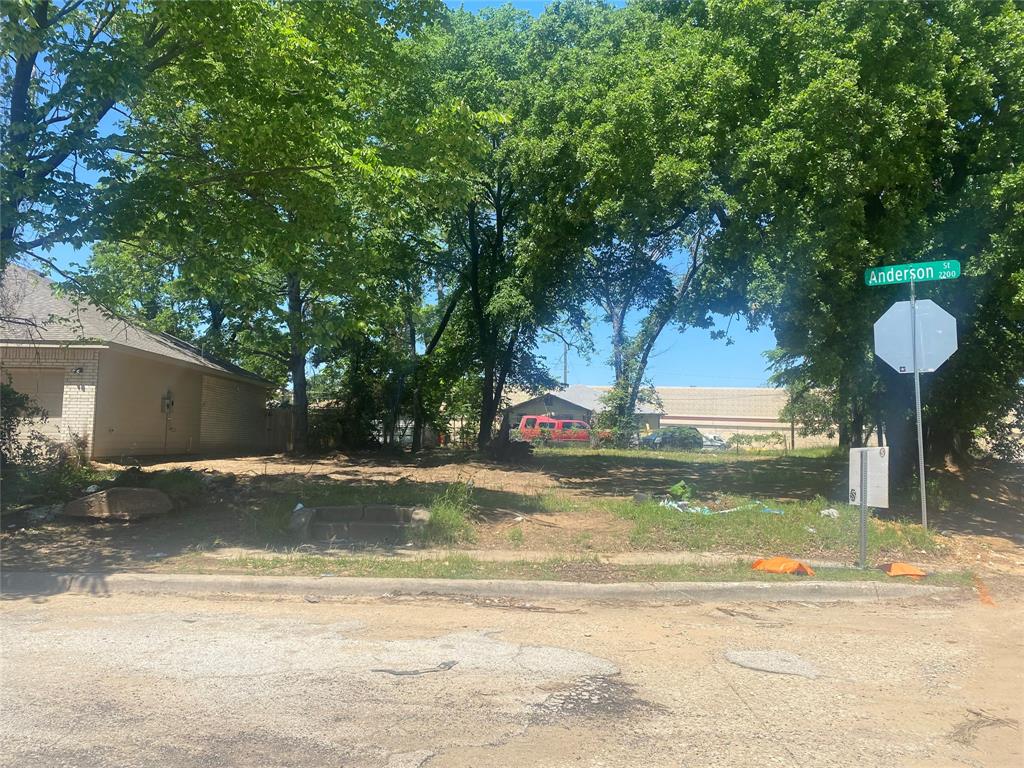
[487,411]
[856,427]
[297,365]
[618,340]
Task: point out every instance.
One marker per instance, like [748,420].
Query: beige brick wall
[130,417]
[80,367]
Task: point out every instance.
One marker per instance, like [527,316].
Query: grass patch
[636,455]
[581,569]
[799,531]
[450,514]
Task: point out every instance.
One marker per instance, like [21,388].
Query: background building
[122,390]
[722,411]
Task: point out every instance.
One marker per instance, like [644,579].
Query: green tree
[890,133]
[651,110]
[277,170]
[67,66]
[512,247]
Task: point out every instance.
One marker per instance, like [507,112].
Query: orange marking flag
[904,569]
[782,565]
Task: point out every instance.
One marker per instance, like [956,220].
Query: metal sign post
[929,343]
[917,406]
[868,487]
[863,510]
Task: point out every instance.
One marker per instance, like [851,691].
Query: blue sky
[690,358]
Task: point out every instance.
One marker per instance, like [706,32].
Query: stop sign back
[936,336]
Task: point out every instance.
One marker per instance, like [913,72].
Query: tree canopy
[401,200]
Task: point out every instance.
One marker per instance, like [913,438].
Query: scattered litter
[904,569]
[776,662]
[782,565]
[684,506]
[311,599]
[519,518]
[765,508]
[833,513]
[809,529]
[299,506]
[92,489]
[749,505]
[444,666]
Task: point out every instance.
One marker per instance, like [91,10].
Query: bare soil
[987,530]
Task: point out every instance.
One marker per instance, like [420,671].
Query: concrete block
[350,513]
[387,514]
[120,504]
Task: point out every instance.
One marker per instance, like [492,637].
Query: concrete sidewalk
[14,584]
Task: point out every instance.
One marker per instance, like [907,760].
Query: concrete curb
[36,584]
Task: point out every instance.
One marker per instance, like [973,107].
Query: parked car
[713,443]
[561,430]
[673,438]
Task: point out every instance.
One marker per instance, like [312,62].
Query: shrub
[680,491]
[15,409]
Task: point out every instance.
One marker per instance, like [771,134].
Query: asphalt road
[401,683]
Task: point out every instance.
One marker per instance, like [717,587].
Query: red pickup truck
[562,430]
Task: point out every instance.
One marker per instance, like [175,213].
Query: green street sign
[919,272]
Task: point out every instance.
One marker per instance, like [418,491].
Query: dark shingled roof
[32,312]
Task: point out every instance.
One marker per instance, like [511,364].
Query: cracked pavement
[175,681]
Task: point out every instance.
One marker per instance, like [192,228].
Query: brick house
[123,390]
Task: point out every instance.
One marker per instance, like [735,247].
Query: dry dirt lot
[174,681]
[988,526]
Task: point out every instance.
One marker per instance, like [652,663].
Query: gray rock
[641,498]
[120,504]
[420,516]
[776,662]
[40,515]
